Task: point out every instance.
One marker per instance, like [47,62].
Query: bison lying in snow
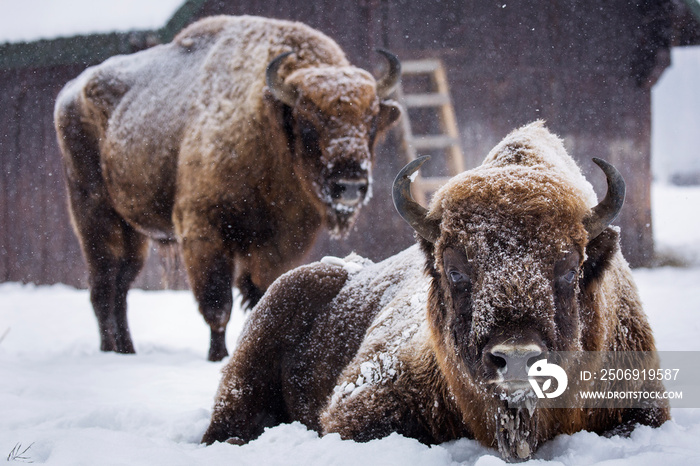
[512,264]
[184,142]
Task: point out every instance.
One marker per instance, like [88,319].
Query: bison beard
[516,434]
[515,260]
[239,141]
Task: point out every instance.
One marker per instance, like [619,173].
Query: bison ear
[389,113]
[599,255]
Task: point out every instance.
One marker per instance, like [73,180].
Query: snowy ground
[66,403]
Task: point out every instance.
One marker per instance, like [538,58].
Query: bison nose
[349,192]
[512,362]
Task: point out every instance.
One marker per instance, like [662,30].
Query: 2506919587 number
[638,374]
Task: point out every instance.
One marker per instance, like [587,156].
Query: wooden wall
[36,242]
[586,66]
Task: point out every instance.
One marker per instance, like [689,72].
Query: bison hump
[104,91]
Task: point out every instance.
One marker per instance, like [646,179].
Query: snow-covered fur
[407,345]
[184,142]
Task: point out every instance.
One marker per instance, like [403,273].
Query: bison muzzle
[239,141]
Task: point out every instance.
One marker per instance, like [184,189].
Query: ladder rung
[426,100]
[433,142]
[419,66]
[432,183]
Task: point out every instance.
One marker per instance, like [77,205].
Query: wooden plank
[432,183]
[42,236]
[449,124]
[449,139]
[8,140]
[419,66]
[433,142]
[407,132]
[434,99]
[10,164]
[28,213]
[53,195]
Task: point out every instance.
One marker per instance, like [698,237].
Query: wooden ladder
[447,140]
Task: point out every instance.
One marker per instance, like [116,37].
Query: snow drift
[66,403]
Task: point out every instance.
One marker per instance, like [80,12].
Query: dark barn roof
[586,66]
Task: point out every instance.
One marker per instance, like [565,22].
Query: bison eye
[457,277]
[309,137]
[570,276]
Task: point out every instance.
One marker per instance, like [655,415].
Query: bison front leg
[210,271]
[370,412]
[249,398]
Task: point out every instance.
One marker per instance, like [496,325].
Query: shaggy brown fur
[395,347]
[183,142]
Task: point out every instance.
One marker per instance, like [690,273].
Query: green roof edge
[180,19]
[694,7]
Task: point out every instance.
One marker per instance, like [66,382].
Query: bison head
[511,247]
[333,116]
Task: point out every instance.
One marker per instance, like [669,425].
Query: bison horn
[282,92]
[415,214]
[607,210]
[387,83]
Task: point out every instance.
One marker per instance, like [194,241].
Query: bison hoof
[125,346]
[107,346]
[217,355]
[126,349]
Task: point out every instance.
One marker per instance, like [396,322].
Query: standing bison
[433,343]
[184,142]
